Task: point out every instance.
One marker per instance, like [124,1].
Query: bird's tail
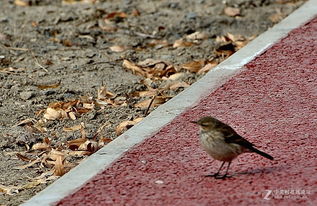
[262,153]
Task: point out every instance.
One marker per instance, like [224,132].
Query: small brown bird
[222,143]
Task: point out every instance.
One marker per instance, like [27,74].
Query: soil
[69,44]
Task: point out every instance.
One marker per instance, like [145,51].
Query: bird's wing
[232,136]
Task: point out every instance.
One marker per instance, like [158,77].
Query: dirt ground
[66,51]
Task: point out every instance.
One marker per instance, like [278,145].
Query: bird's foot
[223,176]
[212,175]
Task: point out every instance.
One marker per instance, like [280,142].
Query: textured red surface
[272,103]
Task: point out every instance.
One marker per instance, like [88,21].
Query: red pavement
[272,103]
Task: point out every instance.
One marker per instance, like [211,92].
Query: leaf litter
[55,159]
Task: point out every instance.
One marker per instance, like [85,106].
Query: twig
[151,102]
[37,63]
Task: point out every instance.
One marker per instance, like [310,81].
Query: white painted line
[168,111]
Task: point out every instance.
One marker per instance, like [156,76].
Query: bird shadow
[264,170]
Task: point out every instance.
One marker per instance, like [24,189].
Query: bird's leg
[226,174]
[217,173]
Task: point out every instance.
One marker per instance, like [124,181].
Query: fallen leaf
[231,11]
[9,190]
[133,67]
[72,129]
[49,86]
[182,43]
[117,48]
[103,93]
[194,66]
[53,114]
[28,165]
[21,3]
[59,169]
[177,85]
[207,67]
[157,101]
[75,144]
[176,76]
[226,50]
[23,158]
[40,146]
[33,184]
[197,36]
[126,125]
[29,121]
[72,115]
[116,16]
[146,93]
[158,43]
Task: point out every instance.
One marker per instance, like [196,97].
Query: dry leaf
[40,146]
[75,144]
[78,153]
[150,62]
[126,125]
[9,190]
[158,43]
[72,115]
[194,66]
[103,141]
[59,169]
[133,67]
[231,11]
[157,101]
[72,129]
[147,93]
[197,36]
[117,48]
[52,114]
[54,154]
[115,14]
[50,86]
[176,76]
[88,106]
[207,67]
[89,145]
[225,50]
[33,184]
[28,165]
[182,43]
[23,158]
[103,93]
[21,3]
[177,85]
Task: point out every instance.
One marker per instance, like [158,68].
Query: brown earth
[62,51]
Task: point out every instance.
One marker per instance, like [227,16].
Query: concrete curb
[167,112]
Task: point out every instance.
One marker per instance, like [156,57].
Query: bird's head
[206,123]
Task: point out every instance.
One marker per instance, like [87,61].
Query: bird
[223,143]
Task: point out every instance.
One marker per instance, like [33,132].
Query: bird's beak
[194,122]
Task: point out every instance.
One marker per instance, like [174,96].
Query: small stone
[27,95]
[159,182]
[191,15]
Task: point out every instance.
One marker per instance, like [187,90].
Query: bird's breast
[214,144]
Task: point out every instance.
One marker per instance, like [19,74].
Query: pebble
[191,15]
[27,95]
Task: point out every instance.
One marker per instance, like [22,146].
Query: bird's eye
[205,124]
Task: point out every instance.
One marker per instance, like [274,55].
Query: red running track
[272,103]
